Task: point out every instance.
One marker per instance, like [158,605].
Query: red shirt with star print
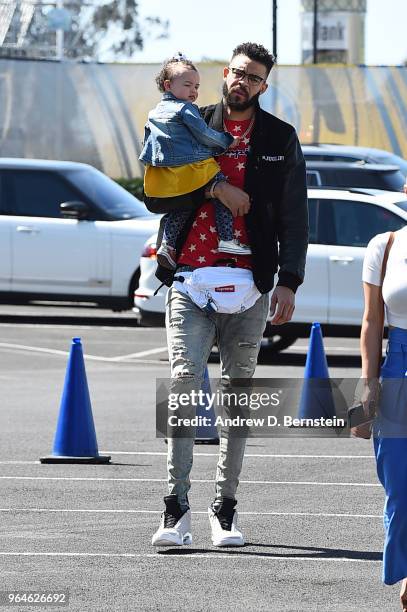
[200,247]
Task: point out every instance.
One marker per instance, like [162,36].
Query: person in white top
[390,427]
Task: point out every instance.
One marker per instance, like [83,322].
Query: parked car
[68,232]
[341,224]
[345,153]
[345,174]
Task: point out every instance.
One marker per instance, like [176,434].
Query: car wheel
[151,319]
[276,343]
[133,286]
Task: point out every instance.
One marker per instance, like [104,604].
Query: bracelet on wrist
[213,187]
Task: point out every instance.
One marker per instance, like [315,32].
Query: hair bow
[179,57]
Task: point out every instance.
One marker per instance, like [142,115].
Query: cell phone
[357,415]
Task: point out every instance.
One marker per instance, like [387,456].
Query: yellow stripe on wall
[380,75]
[402,90]
[343,98]
[371,129]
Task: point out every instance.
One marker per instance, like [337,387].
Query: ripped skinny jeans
[191,333]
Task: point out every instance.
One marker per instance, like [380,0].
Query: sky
[211,29]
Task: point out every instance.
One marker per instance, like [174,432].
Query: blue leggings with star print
[174,222]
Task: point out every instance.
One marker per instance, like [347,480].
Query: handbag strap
[386,256]
[383,274]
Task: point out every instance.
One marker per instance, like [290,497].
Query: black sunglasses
[255,79]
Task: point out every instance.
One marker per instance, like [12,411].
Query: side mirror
[74,210]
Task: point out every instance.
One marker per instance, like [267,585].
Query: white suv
[68,232]
[341,224]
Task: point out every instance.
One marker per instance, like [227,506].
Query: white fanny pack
[219,289]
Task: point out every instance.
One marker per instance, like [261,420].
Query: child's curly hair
[167,70]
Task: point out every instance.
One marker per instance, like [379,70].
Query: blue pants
[174,222]
[391,455]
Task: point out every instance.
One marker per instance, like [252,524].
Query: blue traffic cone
[208,433]
[316,396]
[75,437]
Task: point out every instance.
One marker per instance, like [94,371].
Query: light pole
[275,29]
[274,96]
[315,34]
[60,34]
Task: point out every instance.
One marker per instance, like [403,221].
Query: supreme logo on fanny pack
[225,289]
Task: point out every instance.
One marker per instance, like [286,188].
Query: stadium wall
[95,113]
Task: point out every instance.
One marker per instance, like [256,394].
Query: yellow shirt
[167,182]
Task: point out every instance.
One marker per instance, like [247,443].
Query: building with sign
[340,31]
[30,28]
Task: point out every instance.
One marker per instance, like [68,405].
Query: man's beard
[238,106]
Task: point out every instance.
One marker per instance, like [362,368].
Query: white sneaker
[223,521]
[166,256]
[234,247]
[175,526]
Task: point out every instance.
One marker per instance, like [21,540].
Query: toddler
[178,154]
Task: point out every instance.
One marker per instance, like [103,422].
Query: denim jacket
[175,135]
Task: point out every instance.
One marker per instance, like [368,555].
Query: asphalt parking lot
[310,509]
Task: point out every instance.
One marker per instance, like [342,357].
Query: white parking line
[161,349]
[260,455]
[37,349]
[202,512]
[247,455]
[47,325]
[20,463]
[32,349]
[263,482]
[338,349]
[118,359]
[73,327]
[301,347]
[237,556]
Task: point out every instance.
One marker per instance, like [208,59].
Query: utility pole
[275,29]
[274,88]
[60,35]
[315,34]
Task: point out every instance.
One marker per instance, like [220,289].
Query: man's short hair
[257,53]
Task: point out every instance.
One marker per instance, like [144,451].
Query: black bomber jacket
[277,222]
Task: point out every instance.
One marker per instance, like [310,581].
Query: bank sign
[332,31]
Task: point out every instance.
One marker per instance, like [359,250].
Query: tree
[100,30]
[115,28]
